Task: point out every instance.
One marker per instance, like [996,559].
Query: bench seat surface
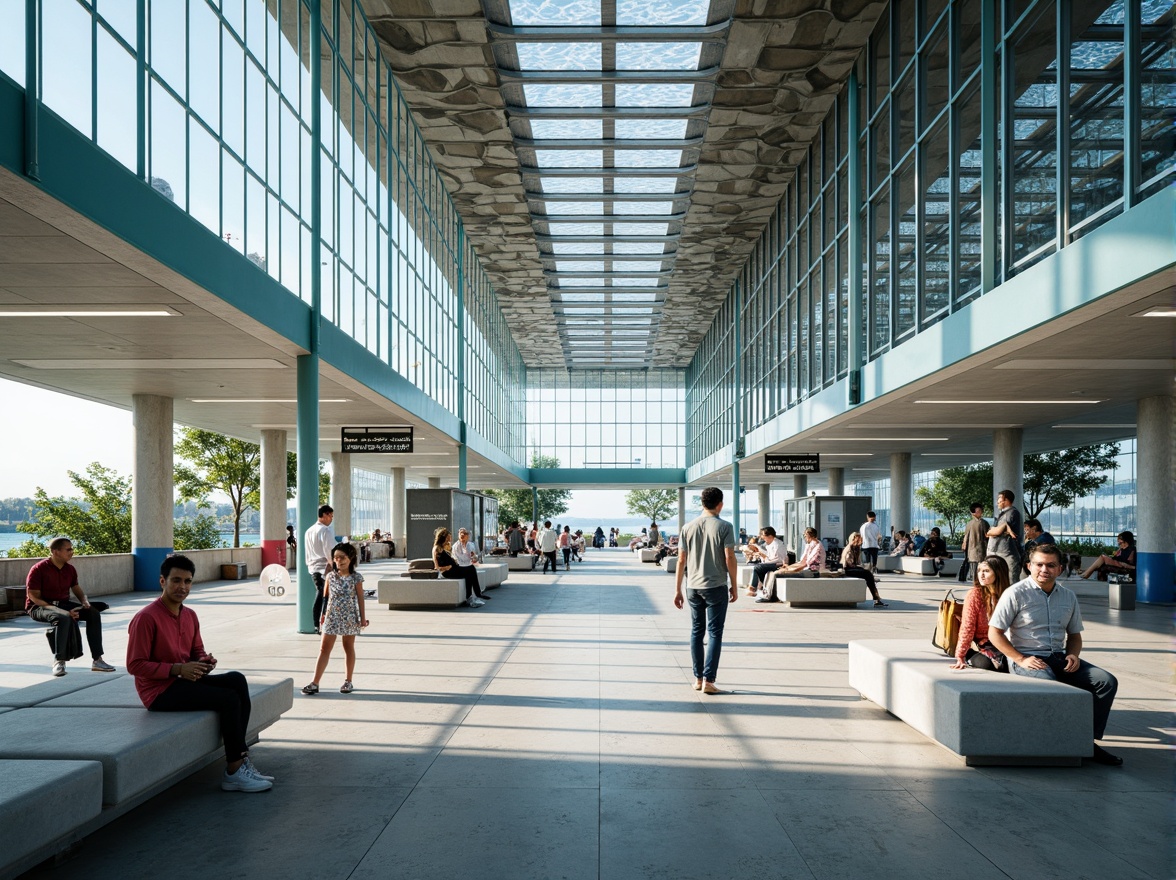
[821,591]
[441,592]
[40,799]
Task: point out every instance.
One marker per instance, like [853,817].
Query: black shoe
[1102,756]
[763,599]
[878,603]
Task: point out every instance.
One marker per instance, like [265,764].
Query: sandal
[310,689]
[346,688]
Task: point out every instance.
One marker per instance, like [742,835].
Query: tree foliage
[1055,479]
[652,504]
[29,549]
[213,462]
[197,533]
[516,503]
[953,493]
[98,522]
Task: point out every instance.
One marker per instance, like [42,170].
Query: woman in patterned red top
[992,579]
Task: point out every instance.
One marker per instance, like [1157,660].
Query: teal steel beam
[1062,125]
[32,95]
[988,156]
[1132,103]
[856,320]
[461,358]
[308,364]
[664,477]
[141,89]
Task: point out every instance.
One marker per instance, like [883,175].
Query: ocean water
[8,540]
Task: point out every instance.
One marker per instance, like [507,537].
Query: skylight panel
[637,282]
[633,129]
[638,247]
[569,158]
[632,310]
[578,247]
[572,184]
[559,56]
[642,228]
[597,298]
[575,208]
[546,95]
[647,158]
[652,94]
[643,207]
[555,12]
[658,56]
[567,129]
[645,185]
[638,267]
[580,265]
[576,228]
[658,12]
[579,282]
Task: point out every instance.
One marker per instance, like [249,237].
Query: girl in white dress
[344,615]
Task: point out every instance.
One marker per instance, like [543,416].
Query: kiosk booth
[430,509]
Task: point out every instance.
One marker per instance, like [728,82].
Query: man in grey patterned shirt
[1044,638]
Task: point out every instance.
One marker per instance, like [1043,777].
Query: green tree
[29,549]
[1055,479]
[98,522]
[516,503]
[953,493]
[197,533]
[324,493]
[213,462]
[652,504]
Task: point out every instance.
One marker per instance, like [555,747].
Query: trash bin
[234,571]
[1121,596]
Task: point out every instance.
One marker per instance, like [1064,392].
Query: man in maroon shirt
[173,672]
[47,590]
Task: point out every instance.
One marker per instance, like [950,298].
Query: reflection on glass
[577,247]
[640,228]
[647,158]
[579,265]
[572,184]
[556,208]
[638,247]
[558,56]
[555,12]
[653,95]
[569,158]
[563,129]
[645,185]
[575,228]
[1096,120]
[1157,123]
[663,12]
[658,56]
[643,207]
[168,147]
[580,95]
[628,129]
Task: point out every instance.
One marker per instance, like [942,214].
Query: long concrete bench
[522,562]
[919,565]
[490,574]
[988,717]
[647,554]
[121,755]
[821,592]
[890,563]
[670,564]
[435,592]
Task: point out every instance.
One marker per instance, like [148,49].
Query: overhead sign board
[792,464]
[394,439]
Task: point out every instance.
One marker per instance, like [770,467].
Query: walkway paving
[554,734]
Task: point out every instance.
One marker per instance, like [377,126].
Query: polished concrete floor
[554,734]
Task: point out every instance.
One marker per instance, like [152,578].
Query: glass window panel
[234,13]
[120,15]
[204,166]
[566,128]
[880,273]
[936,87]
[880,61]
[572,184]
[255,115]
[574,207]
[580,95]
[204,63]
[569,158]
[255,237]
[66,87]
[233,202]
[555,12]
[580,265]
[117,101]
[580,282]
[638,247]
[1157,120]
[936,244]
[903,16]
[630,129]
[169,35]
[967,206]
[880,147]
[647,158]
[576,228]
[654,95]
[967,14]
[641,228]
[643,207]
[12,40]
[645,185]
[169,150]
[906,250]
[577,247]
[1096,120]
[663,12]
[558,56]
[904,110]
[658,56]
[232,92]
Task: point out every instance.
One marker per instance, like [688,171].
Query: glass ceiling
[608,103]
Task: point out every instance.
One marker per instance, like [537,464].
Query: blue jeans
[1098,682]
[708,609]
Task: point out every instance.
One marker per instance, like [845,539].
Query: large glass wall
[222,128]
[1073,149]
[607,419]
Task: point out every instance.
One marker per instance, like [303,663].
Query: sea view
[8,540]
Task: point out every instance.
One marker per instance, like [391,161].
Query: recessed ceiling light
[951,454]
[856,439]
[1157,312]
[150,364]
[85,313]
[848,454]
[1008,402]
[1096,426]
[262,400]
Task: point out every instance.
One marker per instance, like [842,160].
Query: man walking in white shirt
[871,539]
[547,546]
[318,544]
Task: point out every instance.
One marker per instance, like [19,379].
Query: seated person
[47,589]
[444,562]
[770,555]
[1122,562]
[465,551]
[935,549]
[752,552]
[851,562]
[990,581]
[812,560]
[917,537]
[173,672]
[1035,534]
[903,546]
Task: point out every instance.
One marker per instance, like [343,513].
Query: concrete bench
[988,717]
[926,567]
[491,574]
[670,564]
[890,563]
[121,755]
[821,592]
[435,592]
[647,554]
[523,562]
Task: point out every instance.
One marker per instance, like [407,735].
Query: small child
[344,615]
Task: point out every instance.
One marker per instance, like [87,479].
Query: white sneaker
[252,768]
[243,780]
[475,602]
[59,667]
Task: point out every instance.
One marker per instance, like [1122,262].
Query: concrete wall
[113,573]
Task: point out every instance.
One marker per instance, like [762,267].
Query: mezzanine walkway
[554,733]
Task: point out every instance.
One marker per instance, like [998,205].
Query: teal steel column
[857,323]
[1062,126]
[1132,103]
[308,364]
[141,89]
[32,101]
[534,504]
[461,359]
[988,154]
[737,448]
[735,515]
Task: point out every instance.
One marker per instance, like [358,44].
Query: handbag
[947,624]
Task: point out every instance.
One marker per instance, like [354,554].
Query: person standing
[516,539]
[547,545]
[871,534]
[564,543]
[344,616]
[974,543]
[706,562]
[318,542]
[47,590]
[291,548]
[1004,538]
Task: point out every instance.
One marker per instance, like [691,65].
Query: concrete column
[1155,500]
[1008,465]
[681,508]
[434,482]
[399,525]
[152,496]
[764,503]
[273,498]
[836,481]
[900,491]
[341,492]
[799,485]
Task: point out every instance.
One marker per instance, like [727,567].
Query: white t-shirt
[317,545]
[871,535]
[772,551]
[465,554]
[547,540]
